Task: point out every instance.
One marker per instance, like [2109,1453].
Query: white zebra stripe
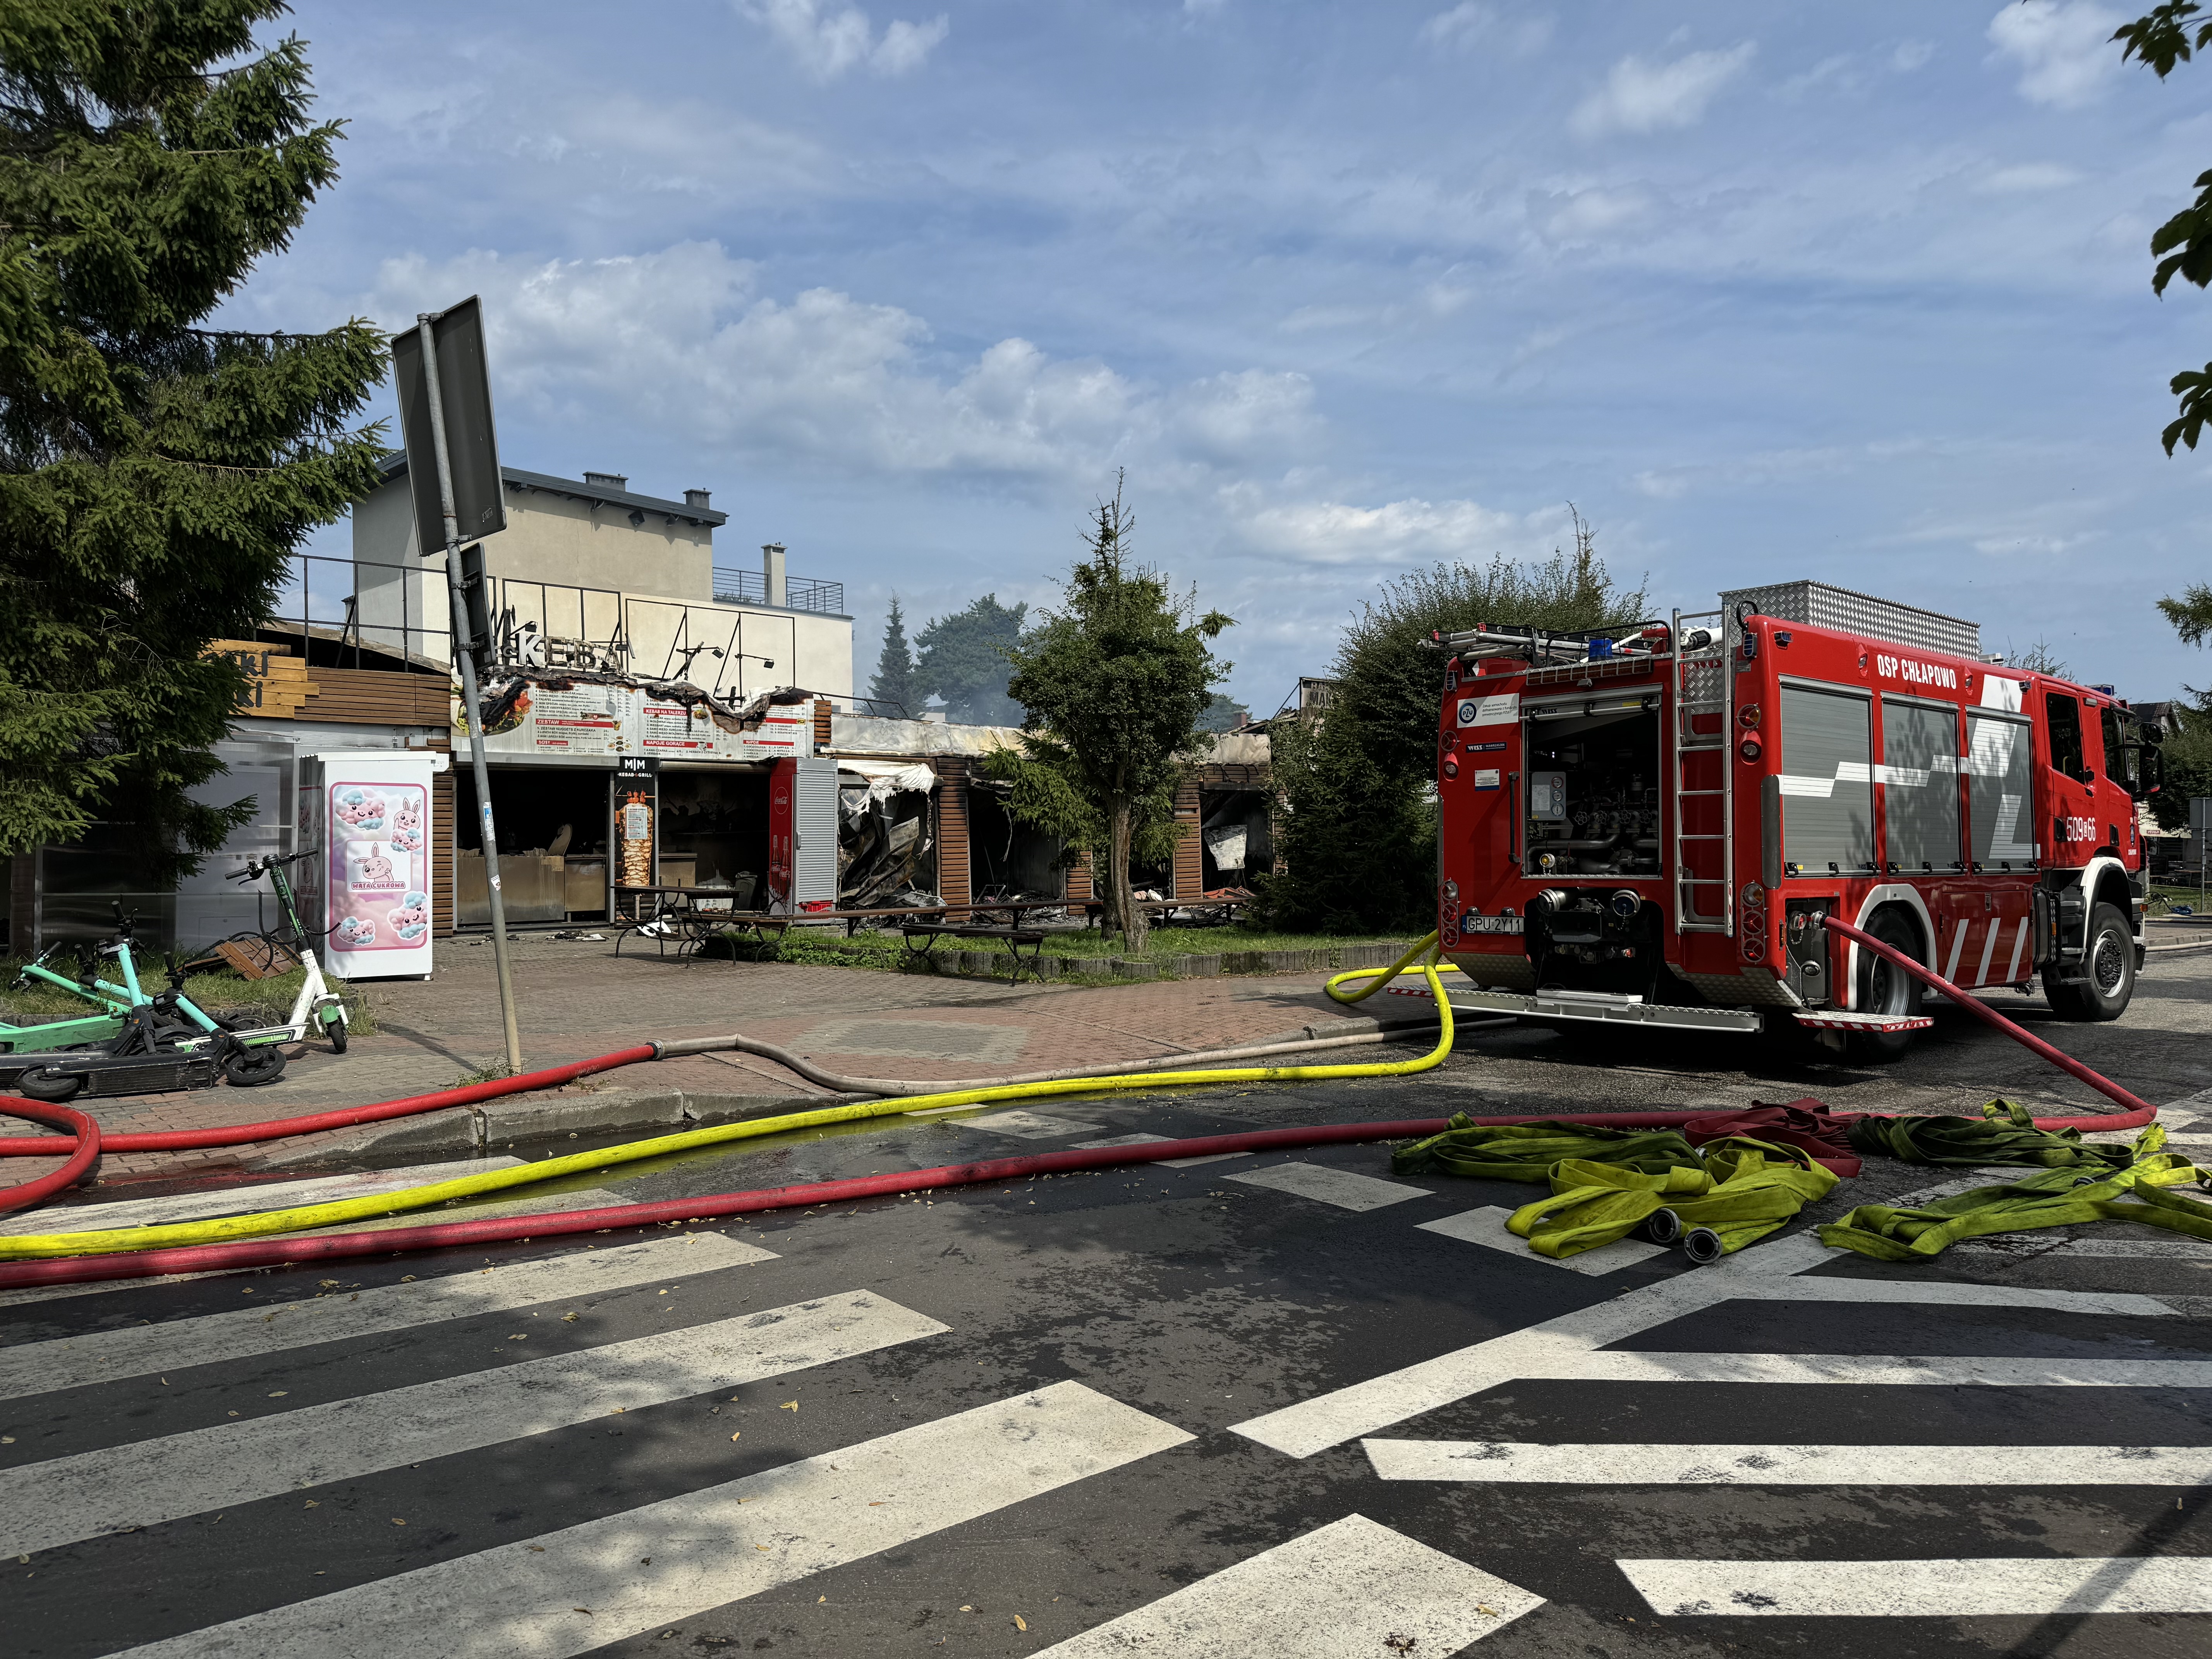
[569,1592]
[1352,1587]
[64,1499]
[70,1362]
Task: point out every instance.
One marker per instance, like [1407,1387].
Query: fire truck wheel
[1886,988]
[2109,971]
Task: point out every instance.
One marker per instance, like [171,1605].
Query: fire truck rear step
[1835,1019]
[1597,1007]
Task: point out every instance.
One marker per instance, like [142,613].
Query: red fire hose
[86,1148]
[2140,1111]
[273,1252]
[239,1134]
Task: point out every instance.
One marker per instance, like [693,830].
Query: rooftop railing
[734,586]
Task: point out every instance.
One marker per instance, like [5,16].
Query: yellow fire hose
[26,1246]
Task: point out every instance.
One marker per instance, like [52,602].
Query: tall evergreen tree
[153,474]
[965,659]
[1114,683]
[894,682]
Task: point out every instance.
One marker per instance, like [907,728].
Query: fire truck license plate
[1489,925]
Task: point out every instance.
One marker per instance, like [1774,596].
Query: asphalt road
[1267,1405]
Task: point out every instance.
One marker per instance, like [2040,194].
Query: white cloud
[681,343]
[2029,177]
[1397,532]
[828,41]
[2063,47]
[1587,214]
[1433,303]
[1912,55]
[1641,97]
[1471,24]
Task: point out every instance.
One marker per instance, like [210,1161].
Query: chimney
[772,568]
[608,480]
[696,498]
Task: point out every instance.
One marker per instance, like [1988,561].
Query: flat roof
[394,465]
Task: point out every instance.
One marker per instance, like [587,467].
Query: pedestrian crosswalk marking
[1030,1125]
[1341,1188]
[1967,1588]
[1166,1163]
[240,1333]
[707,1548]
[138,1484]
[1570,1344]
[1875,1370]
[1351,1587]
[1616,1464]
[1486,1227]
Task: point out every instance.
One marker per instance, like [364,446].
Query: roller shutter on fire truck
[1827,780]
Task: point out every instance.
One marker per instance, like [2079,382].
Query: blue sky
[1858,292]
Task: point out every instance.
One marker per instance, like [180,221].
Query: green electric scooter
[62,1033]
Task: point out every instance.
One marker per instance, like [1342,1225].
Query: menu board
[671,729]
[593,720]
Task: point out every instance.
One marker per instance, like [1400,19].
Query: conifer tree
[154,474]
[894,683]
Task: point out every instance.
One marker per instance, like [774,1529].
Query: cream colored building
[590,573]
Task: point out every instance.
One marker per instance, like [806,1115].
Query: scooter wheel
[50,1085]
[1661,1227]
[248,1068]
[336,1031]
[1701,1245]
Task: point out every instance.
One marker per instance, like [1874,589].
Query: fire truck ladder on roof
[1701,687]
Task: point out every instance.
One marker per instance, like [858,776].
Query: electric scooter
[62,1033]
[317,1006]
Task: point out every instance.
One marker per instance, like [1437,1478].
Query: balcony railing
[800,593]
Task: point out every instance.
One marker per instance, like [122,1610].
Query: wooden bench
[1201,909]
[928,933]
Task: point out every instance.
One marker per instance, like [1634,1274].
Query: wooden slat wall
[955,883]
[1189,868]
[1079,891]
[442,828]
[823,708]
[371,697]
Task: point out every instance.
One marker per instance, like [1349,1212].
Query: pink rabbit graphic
[407,815]
[376,867]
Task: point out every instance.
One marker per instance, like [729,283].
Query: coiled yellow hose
[34,1246]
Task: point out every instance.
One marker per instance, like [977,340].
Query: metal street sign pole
[475,714]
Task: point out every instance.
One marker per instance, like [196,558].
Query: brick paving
[576,999]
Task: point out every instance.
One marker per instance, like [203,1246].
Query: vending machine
[369,894]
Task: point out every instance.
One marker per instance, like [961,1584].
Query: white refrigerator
[368,892]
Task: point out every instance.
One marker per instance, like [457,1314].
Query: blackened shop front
[601,783]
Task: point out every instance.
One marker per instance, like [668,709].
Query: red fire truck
[1647,824]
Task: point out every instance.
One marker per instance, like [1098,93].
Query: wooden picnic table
[1218,909]
[929,932]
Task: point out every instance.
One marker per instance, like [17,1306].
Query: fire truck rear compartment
[1594,790]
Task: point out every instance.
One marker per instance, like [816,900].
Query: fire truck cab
[1648,824]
